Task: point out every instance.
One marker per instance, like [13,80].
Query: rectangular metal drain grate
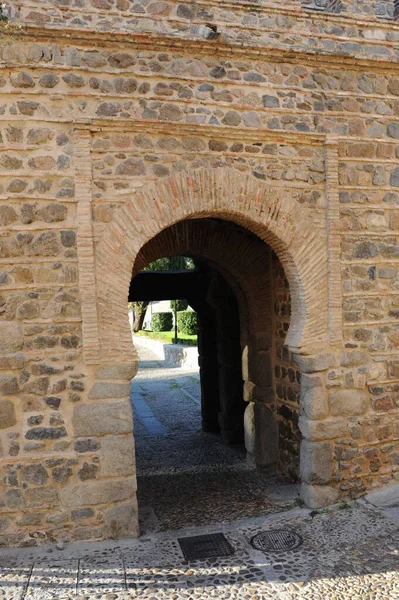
[205,546]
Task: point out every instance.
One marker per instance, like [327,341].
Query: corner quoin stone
[122,371]
[320,362]
[316,462]
[317,496]
[102,419]
[98,492]
[313,401]
[117,456]
[102,390]
[122,520]
[327,429]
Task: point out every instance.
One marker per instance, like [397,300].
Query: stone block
[248,391]
[348,402]
[102,390]
[120,371]
[12,362]
[354,359]
[266,436]
[46,433]
[260,368]
[7,414]
[318,496]
[261,434]
[35,474]
[249,428]
[117,457]
[102,419]
[87,445]
[316,462]
[98,492]
[82,513]
[41,496]
[11,337]
[122,520]
[312,364]
[313,401]
[327,429]
[387,496]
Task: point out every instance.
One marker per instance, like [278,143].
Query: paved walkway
[348,552]
[186,476]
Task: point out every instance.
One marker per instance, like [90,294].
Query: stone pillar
[319,427]
[232,405]
[209,369]
[103,432]
[261,428]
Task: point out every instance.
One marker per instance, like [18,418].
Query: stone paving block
[53,580]
[14,577]
[104,574]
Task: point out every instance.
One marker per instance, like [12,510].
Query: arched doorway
[244,307]
[298,239]
[242,298]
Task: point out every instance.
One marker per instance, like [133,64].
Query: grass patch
[168,336]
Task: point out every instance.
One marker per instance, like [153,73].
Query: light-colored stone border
[309,333]
[85,244]
[334,242]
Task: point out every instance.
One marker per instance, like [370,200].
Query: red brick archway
[298,238]
[275,217]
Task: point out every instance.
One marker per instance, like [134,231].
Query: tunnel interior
[249,382]
[219,348]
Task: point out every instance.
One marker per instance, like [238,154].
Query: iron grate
[279,540]
[205,546]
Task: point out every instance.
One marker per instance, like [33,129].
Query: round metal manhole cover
[279,540]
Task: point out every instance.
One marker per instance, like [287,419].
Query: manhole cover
[205,546]
[279,540]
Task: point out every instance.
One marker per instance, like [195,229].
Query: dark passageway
[188,476]
[192,464]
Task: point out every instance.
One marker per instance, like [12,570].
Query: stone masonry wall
[163,88]
[287,377]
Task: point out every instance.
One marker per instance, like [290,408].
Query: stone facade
[122,118]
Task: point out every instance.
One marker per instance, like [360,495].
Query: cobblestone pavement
[349,552]
[186,476]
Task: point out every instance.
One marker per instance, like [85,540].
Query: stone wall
[119,118]
[287,376]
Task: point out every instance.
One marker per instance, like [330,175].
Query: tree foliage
[180,305]
[187,321]
[162,321]
[171,263]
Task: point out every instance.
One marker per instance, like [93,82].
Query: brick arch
[267,211]
[248,266]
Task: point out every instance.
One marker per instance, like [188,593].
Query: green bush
[187,322]
[162,321]
[180,305]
